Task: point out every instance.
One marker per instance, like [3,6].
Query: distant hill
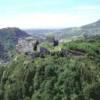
[10,36]
[40,33]
[92,25]
[90,29]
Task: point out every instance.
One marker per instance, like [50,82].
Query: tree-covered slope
[3,54]
[54,77]
[10,36]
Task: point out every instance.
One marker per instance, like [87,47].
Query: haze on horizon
[48,13]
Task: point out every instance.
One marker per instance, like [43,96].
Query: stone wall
[26,45]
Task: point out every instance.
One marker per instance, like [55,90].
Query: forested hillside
[9,37]
[8,40]
[3,53]
[70,74]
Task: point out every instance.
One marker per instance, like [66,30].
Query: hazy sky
[48,13]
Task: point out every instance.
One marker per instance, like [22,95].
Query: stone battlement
[27,45]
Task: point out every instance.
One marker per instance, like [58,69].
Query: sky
[48,14]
